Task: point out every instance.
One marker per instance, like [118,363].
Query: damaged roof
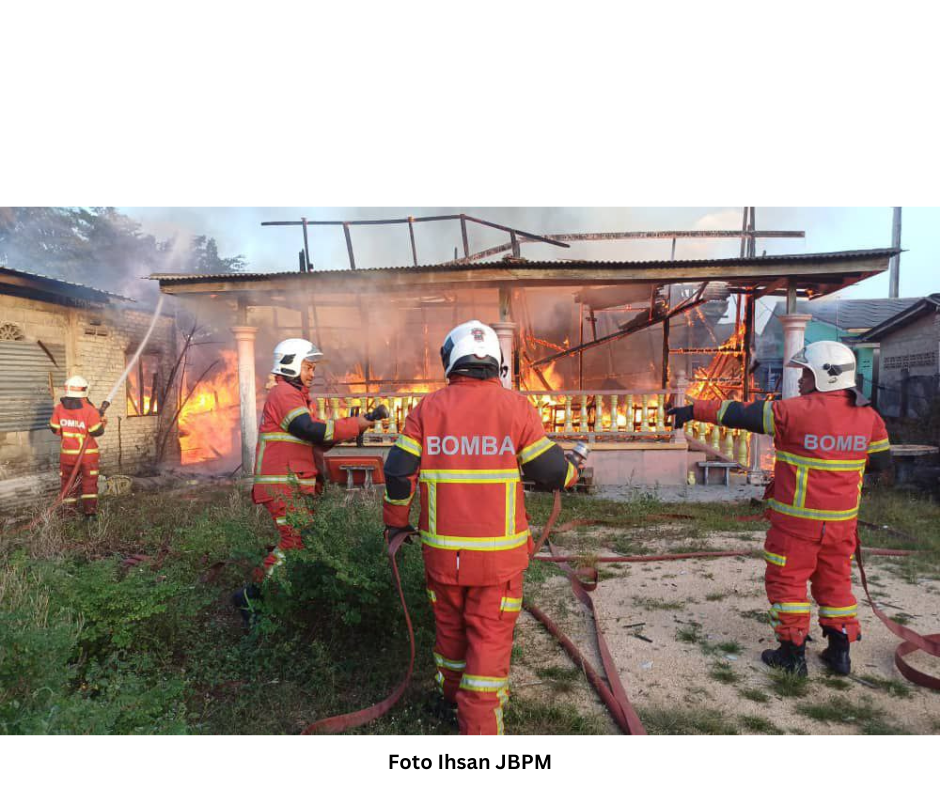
[27,284]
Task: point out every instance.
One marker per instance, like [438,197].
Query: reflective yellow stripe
[450,664]
[90,495]
[469,476]
[570,474]
[722,409]
[812,514]
[70,500]
[398,501]
[773,558]
[838,612]
[407,444]
[483,683]
[483,543]
[769,426]
[510,603]
[79,435]
[78,451]
[432,508]
[510,508]
[793,608]
[882,445]
[432,596]
[819,463]
[54,424]
[281,437]
[330,426]
[284,480]
[92,473]
[534,450]
[799,497]
[280,521]
[285,422]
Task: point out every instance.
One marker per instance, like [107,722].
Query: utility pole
[894,267]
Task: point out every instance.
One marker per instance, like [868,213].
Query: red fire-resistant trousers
[85,486]
[473,648]
[826,563]
[289,536]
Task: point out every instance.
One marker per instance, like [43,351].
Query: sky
[239,231]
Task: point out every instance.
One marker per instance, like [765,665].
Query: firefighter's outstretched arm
[301,425]
[541,459]
[752,416]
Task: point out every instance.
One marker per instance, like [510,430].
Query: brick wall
[98,342]
[910,367]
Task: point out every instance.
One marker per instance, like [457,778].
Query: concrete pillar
[245,344]
[506,332]
[794,332]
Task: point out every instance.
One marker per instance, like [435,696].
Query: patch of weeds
[788,685]
[715,596]
[864,715]
[755,724]
[893,687]
[754,694]
[562,678]
[690,633]
[651,603]
[722,647]
[901,618]
[723,673]
[525,717]
[686,722]
[833,682]
[755,615]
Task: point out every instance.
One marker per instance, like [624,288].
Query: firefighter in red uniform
[78,423]
[463,446]
[825,440]
[284,460]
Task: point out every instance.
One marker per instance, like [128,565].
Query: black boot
[443,709]
[787,656]
[836,654]
[246,599]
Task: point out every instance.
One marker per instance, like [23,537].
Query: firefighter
[463,446]
[825,440]
[77,422]
[284,460]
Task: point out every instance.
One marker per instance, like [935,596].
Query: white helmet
[832,365]
[76,386]
[291,353]
[474,343]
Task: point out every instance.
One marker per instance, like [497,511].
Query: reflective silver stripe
[469,476]
[328,435]
[450,664]
[282,437]
[483,683]
[876,446]
[486,543]
[838,612]
[722,409]
[534,450]
[791,607]
[407,444]
[773,558]
[398,501]
[510,603]
[284,480]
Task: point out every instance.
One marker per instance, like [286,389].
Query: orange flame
[209,421]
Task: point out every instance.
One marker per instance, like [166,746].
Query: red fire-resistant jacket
[283,459]
[77,424]
[823,442]
[464,445]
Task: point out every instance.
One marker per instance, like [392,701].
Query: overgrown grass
[562,679]
[723,673]
[863,714]
[687,721]
[893,687]
[788,685]
[754,724]
[754,694]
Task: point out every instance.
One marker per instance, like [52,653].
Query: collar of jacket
[465,380]
[860,399]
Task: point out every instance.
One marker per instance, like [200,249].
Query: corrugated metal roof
[853,313]
[858,255]
[920,307]
[83,290]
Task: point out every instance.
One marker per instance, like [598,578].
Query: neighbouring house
[909,358]
[50,329]
[838,320]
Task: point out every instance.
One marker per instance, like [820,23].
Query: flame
[209,421]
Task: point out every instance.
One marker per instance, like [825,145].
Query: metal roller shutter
[25,401]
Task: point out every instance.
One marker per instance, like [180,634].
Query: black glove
[391,530]
[381,412]
[680,415]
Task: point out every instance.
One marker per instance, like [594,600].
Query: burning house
[599,347]
[51,329]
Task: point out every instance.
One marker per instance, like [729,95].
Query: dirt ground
[687,636]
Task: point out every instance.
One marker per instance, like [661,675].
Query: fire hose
[106,403]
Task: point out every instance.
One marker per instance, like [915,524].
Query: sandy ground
[667,673]
[737,490]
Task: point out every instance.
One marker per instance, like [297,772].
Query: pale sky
[239,231]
